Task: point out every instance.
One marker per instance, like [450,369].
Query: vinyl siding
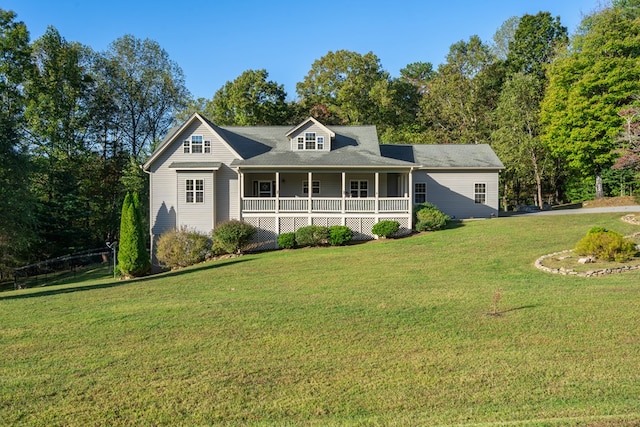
[453,192]
[168,209]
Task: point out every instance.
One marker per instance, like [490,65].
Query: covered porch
[323,191]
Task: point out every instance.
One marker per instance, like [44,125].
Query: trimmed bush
[312,235]
[232,236]
[287,240]
[430,218]
[182,248]
[133,259]
[606,245]
[385,228]
[339,235]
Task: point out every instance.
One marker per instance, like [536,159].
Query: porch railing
[325,204]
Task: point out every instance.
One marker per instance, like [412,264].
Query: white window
[315,187]
[300,143]
[419,192]
[480,192]
[310,141]
[196,144]
[320,143]
[194,190]
[359,188]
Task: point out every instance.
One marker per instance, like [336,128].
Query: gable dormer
[311,135]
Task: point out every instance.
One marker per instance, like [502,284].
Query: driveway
[571,211]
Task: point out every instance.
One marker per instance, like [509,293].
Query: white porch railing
[325,204]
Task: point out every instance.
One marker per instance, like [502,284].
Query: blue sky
[215,41]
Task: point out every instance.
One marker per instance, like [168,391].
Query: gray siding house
[279,178]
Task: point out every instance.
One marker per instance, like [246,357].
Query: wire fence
[46,272]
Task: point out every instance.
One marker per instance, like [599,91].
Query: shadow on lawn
[45,291]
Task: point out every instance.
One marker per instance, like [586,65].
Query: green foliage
[133,259]
[430,218]
[606,245]
[457,107]
[17,222]
[232,236]
[385,228]
[339,88]
[339,235]
[588,84]
[287,240]
[312,235]
[250,100]
[182,248]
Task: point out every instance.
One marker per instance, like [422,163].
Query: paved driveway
[623,209]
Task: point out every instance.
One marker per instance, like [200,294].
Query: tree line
[560,110]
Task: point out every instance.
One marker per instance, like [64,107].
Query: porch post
[241,191]
[310,189]
[344,192]
[410,199]
[277,192]
[377,191]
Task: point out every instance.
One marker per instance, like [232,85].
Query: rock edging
[631,219]
[591,273]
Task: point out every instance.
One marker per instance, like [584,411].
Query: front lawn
[393,332]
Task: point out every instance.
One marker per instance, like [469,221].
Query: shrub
[606,245]
[430,218]
[287,240]
[339,235]
[133,259]
[385,228]
[182,248]
[312,235]
[232,236]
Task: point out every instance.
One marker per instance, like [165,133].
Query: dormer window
[300,143]
[310,141]
[320,143]
[196,145]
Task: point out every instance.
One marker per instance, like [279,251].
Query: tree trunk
[599,189]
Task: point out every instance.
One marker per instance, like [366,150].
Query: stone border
[591,273]
[631,219]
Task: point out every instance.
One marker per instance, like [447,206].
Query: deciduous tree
[588,85]
[249,100]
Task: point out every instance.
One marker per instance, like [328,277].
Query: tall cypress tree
[133,259]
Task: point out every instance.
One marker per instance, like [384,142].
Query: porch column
[344,192]
[310,188]
[277,192]
[241,191]
[215,205]
[410,199]
[377,191]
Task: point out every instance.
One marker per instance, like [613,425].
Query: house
[280,178]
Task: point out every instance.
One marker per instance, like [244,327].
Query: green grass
[392,332]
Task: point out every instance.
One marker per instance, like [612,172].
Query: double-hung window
[359,188]
[480,192]
[419,192]
[320,143]
[310,141]
[196,145]
[194,190]
[300,143]
[315,187]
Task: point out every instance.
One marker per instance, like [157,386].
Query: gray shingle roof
[352,146]
[445,156]
[195,165]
